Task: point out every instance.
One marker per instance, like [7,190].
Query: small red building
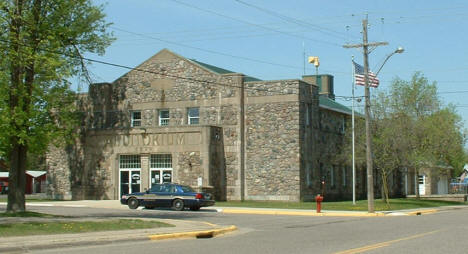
[35,181]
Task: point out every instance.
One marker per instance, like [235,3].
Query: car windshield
[186,189]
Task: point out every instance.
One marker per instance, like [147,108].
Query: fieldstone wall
[272,142]
[189,168]
[58,174]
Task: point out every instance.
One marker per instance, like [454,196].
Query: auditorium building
[173,119]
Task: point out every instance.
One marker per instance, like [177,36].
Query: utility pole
[370,173]
[353,137]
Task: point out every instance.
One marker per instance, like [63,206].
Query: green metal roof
[326,102]
[221,70]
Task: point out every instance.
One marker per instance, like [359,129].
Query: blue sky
[267,39]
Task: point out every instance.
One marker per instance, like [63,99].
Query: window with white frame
[160,169]
[307,115]
[163,117]
[161,161]
[193,116]
[129,161]
[343,175]
[135,118]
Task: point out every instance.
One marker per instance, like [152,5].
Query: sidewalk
[115,204]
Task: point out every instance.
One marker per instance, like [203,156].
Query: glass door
[124,182]
[136,181]
[130,179]
[160,169]
[422,184]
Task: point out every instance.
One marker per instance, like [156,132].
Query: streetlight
[399,50]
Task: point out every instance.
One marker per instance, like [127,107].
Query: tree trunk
[19,103]
[17,177]
[416,183]
[385,188]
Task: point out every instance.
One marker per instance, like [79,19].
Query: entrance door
[129,181]
[130,176]
[422,184]
[442,185]
[160,168]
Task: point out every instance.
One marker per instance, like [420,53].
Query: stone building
[173,119]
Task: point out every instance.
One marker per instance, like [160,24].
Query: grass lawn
[66,227]
[361,205]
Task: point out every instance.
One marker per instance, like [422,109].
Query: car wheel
[178,205]
[194,208]
[132,203]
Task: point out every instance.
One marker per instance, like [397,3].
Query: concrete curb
[421,212]
[194,234]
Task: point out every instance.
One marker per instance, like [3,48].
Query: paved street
[442,232]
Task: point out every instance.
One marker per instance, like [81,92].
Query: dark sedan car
[168,195]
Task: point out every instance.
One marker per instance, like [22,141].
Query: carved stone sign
[153,139]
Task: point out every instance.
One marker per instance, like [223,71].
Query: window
[343,175]
[130,161]
[307,118]
[163,117]
[161,161]
[322,172]
[343,125]
[193,115]
[136,118]
[186,189]
[332,176]
[160,168]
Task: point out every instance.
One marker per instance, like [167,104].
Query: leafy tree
[413,130]
[410,129]
[41,44]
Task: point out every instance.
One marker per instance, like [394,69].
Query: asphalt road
[442,232]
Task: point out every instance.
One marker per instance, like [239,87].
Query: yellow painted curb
[194,234]
[305,213]
[421,212]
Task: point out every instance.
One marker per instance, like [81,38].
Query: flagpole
[352,127]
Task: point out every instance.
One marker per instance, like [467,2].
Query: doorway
[422,184]
[130,174]
[160,169]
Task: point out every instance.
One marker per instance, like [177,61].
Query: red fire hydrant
[319,200]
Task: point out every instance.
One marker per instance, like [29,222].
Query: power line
[253,24]
[148,71]
[215,52]
[218,53]
[207,50]
[295,21]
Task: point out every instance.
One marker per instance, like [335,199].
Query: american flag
[359,77]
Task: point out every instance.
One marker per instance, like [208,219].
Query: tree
[410,130]
[413,130]
[42,43]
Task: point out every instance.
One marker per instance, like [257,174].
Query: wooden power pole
[370,173]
